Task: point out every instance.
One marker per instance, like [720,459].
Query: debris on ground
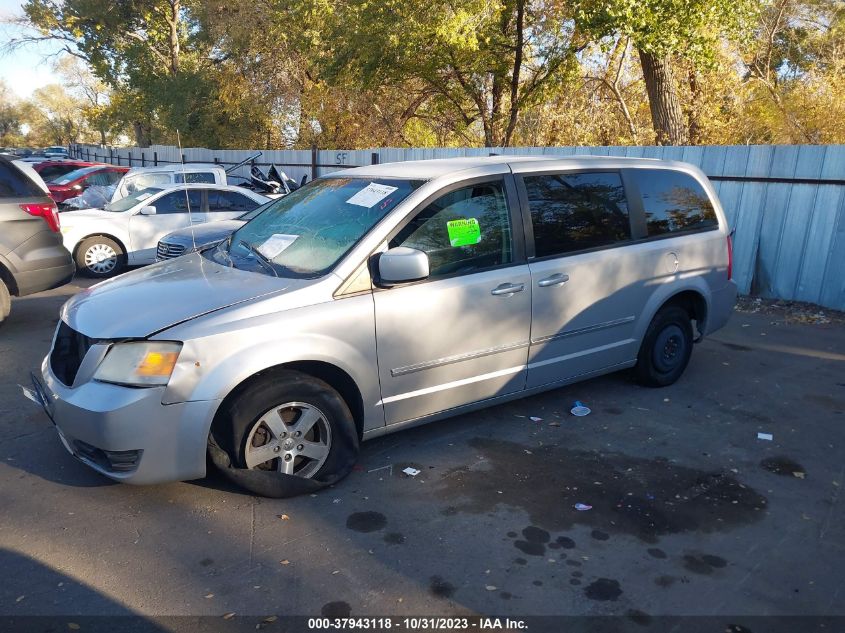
[790,311]
[490,587]
[229,616]
[582,507]
[283,517]
[411,472]
[765,436]
[536,419]
[580,409]
[284,562]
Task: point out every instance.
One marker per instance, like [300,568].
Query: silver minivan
[382,297]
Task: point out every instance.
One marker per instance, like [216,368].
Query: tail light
[730,257]
[50,212]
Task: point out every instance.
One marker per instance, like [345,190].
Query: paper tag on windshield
[371,195]
[464,232]
[275,244]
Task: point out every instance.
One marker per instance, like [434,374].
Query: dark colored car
[32,256]
[51,170]
[184,241]
[74,183]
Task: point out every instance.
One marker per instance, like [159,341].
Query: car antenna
[187,196]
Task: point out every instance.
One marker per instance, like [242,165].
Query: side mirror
[401,264]
[147,210]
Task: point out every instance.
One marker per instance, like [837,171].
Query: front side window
[306,233]
[577,211]
[465,231]
[179,202]
[674,201]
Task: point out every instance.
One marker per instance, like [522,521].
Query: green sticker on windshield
[464,232]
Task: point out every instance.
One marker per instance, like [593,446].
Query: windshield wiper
[259,255]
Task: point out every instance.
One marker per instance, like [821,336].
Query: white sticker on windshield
[275,244]
[371,195]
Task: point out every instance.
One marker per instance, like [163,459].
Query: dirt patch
[646,498]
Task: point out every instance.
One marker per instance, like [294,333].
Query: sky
[25,69]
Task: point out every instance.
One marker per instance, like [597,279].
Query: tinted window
[54,171]
[103,178]
[574,212]
[15,183]
[201,176]
[229,201]
[178,202]
[674,201]
[462,232]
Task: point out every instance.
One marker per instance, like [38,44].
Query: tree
[481,61]
[661,31]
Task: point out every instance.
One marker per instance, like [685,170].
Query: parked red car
[50,170]
[77,181]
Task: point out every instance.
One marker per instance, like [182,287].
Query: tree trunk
[697,96]
[666,114]
[142,134]
[173,45]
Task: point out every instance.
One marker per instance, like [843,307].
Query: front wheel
[666,348]
[291,424]
[100,257]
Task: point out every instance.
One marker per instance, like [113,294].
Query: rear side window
[465,231]
[577,211]
[229,201]
[199,176]
[14,183]
[674,202]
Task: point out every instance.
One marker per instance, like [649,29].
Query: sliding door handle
[555,280]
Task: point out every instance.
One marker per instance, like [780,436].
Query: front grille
[169,251]
[68,351]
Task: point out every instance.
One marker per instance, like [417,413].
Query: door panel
[586,290]
[450,342]
[462,335]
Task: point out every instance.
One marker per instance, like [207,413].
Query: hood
[148,300]
[205,233]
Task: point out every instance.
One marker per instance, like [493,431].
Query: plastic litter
[582,507]
[580,409]
[536,419]
[412,472]
[765,436]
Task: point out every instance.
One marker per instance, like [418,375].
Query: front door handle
[555,280]
[507,290]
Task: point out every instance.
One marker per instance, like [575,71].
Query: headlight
[143,364]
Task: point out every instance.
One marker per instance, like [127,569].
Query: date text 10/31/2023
[418,623]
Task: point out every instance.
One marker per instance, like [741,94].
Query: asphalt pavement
[690,512]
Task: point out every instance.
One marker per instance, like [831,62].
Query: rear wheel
[101,257]
[5,302]
[666,348]
[292,424]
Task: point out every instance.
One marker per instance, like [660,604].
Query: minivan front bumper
[126,433]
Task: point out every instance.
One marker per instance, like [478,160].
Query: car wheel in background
[100,256]
[666,348]
[290,423]
[5,302]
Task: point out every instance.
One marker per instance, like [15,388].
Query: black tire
[5,302]
[666,348]
[234,425]
[86,256]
